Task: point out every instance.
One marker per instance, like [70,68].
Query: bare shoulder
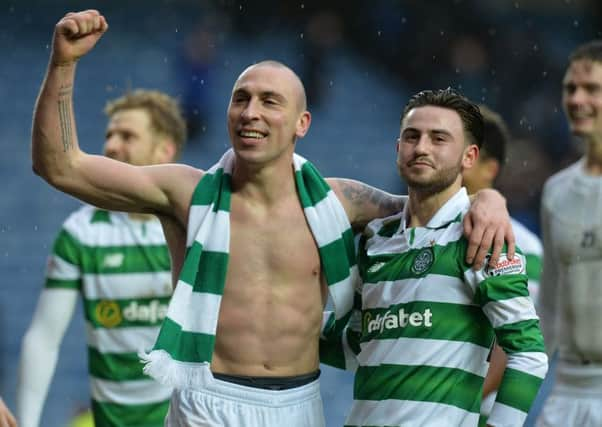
[179,182]
[363,203]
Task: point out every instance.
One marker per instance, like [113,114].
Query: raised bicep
[109,184]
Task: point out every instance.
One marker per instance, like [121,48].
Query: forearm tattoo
[65,119]
[368,198]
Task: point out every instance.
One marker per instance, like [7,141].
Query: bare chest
[273,247]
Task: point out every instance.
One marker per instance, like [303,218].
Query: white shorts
[224,404]
[576,398]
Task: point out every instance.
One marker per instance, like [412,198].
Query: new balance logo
[113,260]
[375,267]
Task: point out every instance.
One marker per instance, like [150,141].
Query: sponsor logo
[376,266]
[401,319]
[423,261]
[109,314]
[151,312]
[113,260]
[506,266]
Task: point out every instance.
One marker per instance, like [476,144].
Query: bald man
[258,242]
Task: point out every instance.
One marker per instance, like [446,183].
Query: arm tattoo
[370,200]
[65,117]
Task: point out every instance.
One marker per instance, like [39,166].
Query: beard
[434,183]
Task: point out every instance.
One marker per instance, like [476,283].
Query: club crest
[423,261]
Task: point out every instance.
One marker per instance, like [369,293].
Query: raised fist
[76,34]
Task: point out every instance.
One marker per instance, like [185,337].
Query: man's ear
[471,154]
[165,151]
[303,124]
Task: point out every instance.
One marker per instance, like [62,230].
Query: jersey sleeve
[63,268]
[548,290]
[40,351]
[502,294]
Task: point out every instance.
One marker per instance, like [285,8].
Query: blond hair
[165,115]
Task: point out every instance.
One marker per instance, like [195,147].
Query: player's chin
[252,155]
[421,172]
[582,127]
[419,181]
[581,131]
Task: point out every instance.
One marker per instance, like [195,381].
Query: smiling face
[432,149]
[129,138]
[267,112]
[582,98]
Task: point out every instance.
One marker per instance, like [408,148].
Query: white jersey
[571,288]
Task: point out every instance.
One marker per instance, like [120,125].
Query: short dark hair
[496,136]
[469,113]
[591,50]
[164,111]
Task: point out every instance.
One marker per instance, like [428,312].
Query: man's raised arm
[56,156]
[55,151]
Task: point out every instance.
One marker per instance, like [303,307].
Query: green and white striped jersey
[122,269]
[428,322]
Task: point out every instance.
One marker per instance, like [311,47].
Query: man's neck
[593,156]
[265,184]
[422,207]
[475,188]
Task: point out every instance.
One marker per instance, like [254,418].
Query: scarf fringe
[159,365]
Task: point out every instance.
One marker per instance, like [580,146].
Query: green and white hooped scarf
[187,337]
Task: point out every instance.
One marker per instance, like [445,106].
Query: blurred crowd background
[360,60]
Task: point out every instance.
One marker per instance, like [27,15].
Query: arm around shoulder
[486,225]
[363,203]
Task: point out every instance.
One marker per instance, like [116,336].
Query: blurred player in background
[483,174]
[119,263]
[571,288]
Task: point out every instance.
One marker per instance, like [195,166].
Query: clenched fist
[76,34]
